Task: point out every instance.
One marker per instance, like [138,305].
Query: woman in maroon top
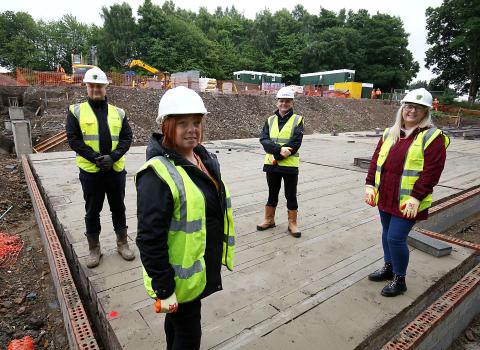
[413,121]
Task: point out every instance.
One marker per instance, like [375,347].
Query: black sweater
[154,213]
[75,137]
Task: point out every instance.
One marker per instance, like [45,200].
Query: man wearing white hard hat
[405,167]
[100,135]
[185,222]
[281,138]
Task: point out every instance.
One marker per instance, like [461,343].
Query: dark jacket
[434,156]
[154,212]
[75,137]
[272,148]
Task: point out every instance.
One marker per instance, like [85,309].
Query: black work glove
[105,163]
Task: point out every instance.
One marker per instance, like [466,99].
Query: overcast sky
[412,13]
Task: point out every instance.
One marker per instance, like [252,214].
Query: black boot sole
[295,234]
[260,228]
[391,295]
[380,279]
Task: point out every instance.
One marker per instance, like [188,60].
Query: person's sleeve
[75,139]
[268,145]
[434,162]
[296,141]
[124,141]
[154,213]
[370,180]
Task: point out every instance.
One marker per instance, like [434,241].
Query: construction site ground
[232,116]
[28,301]
[307,293]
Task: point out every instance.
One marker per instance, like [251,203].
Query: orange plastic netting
[10,247]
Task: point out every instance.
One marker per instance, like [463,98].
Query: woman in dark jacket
[406,165]
[185,226]
[281,138]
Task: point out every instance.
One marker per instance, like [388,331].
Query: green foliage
[40,45]
[116,40]
[447,97]
[219,43]
[18,34]
[467,105]
[453,33]
[418,84]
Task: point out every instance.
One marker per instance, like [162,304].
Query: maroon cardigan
[434,155]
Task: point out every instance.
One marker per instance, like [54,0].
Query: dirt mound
[231,116]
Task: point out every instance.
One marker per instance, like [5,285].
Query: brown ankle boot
[292,224]
[122,245]
[94,251]
[269,220]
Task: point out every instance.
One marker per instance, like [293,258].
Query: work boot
[292,224]
[396,287]
[95,254]
[269,220]
[383,274]
[122,245]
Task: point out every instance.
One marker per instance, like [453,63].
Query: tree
[18,36]
[334,48]
[418,84]
[388,63]
[453,32]
[117,39]
[59,39]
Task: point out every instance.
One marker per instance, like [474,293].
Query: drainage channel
[79,331]
[444,320]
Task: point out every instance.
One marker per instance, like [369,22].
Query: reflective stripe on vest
[413,165]
[89,125]
[187,232]
[282,137]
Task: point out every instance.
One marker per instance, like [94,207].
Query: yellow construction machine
[79,69]
[159,76]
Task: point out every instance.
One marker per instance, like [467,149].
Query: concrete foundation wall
[443,220]
[442,336]
[22,137]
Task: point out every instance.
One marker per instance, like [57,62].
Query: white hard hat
[419,96]
[180,100]
[95,75]
[286,92]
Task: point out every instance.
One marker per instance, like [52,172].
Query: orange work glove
[168,305]
[370,194]
[409,208]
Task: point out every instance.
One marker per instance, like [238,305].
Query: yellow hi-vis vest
[413,166]
[282,137]
[187,233]
[89,126]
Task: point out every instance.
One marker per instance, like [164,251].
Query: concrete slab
[284,292]
[428,244]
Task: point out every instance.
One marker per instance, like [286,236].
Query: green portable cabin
[327,77]
[252,77]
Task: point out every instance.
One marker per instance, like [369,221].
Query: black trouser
[274,181]
[183,328]
[95,186]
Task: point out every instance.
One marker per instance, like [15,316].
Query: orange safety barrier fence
[10,247]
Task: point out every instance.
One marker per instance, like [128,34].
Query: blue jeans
[394,241]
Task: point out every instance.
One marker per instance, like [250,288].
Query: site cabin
[327,78]
[252,77]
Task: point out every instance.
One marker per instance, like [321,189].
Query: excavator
[160,76]
[79,68]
